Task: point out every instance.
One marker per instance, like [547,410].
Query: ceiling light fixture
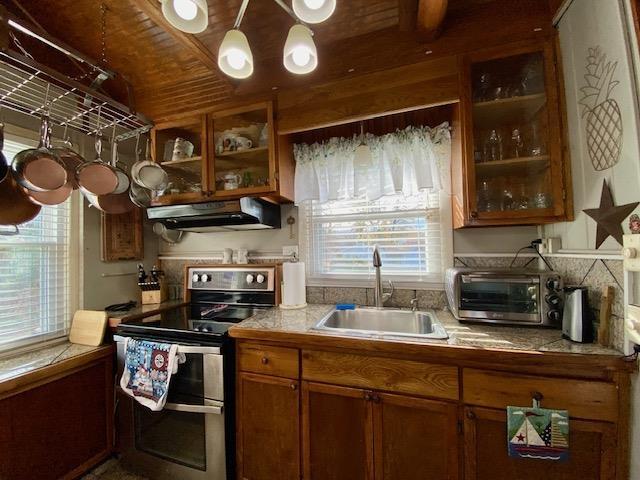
[190,16]
[300,55]
[234,55]
[363,155]
[314,11]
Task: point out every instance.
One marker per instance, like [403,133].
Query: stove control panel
[238,279]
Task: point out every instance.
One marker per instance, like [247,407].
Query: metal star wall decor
[609,217]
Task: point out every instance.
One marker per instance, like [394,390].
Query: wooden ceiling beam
[430,18]
[196,47]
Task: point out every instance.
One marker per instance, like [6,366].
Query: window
[412,233]
[36,273]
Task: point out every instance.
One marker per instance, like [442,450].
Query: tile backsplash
[427,299]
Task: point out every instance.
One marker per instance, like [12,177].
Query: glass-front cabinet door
[181,149]
[243,145]
[514,156]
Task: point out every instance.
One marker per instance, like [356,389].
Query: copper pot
[97,177]
[39,169]
[16,207]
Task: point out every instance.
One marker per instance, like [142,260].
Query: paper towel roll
[294,292]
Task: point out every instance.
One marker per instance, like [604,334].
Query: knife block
[150,297]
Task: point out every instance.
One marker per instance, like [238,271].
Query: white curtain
[407,161]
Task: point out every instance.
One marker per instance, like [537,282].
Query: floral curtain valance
[407,161]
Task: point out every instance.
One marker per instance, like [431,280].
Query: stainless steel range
[193,437]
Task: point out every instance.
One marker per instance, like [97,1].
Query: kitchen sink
[383,322]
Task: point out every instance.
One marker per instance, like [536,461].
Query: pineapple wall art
[603,120]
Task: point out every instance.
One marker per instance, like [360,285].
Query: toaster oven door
[500,299]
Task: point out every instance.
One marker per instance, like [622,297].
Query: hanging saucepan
[4,165]
[39,169]
[16,207]
[97,177]
[71,159]
[140,196]
[149,174]
[123,179]
[51,197]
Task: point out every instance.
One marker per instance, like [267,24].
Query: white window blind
[339,236]
[35,274]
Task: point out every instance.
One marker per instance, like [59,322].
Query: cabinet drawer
[583,399]
[268,360]
[401,376]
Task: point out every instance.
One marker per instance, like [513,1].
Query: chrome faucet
[379,295]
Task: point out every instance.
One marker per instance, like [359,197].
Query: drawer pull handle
[265,360]
[536,399]
[294,386]
[471,415]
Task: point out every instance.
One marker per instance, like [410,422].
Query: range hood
[243,214]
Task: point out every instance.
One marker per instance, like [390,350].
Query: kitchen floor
[111,470]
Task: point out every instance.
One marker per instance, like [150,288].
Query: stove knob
[204,330]
[249,279]
[552,299]
[553,315]
[553,284]
[195,278]
[260,278]
[204,278]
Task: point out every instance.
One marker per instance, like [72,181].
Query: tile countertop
[476,336]
[24,363]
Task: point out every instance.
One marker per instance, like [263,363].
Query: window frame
[28,137]
[446,241]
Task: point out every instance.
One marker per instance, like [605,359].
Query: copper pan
[97,177]
[52,197]
[71,159]
[114,203]
[39,169]
[15,207]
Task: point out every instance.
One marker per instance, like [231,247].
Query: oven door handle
[183,348]
[206,409]
[488,279]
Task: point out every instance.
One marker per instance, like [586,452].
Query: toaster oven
[507,296]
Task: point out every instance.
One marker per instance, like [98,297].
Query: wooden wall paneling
[391,91]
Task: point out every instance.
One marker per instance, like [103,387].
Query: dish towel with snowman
[148,370]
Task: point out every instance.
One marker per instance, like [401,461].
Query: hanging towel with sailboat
[538,433]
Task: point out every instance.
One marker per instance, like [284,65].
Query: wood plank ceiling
[171,72]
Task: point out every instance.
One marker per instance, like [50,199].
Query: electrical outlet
[549,245]
[290,250]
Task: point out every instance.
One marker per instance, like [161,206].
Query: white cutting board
[88,327]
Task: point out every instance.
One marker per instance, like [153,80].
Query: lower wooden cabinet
[354,434]
[592,451]
[59,429]
[268,443]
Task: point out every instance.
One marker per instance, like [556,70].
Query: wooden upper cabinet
[511,158]
[591,451]
[268,428]
[182,150]
[236,153]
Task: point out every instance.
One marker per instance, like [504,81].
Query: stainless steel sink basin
[383,322]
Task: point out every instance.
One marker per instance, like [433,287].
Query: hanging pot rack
[24,84]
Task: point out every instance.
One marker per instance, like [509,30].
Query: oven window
[188,381]
[175,436]
[499,297]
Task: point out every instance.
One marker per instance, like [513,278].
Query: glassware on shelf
[536,145]
[493,147]
[483,92]
[517,143]
[507,199]
[541,200]
[521,202]
[533,77]
[487,201]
